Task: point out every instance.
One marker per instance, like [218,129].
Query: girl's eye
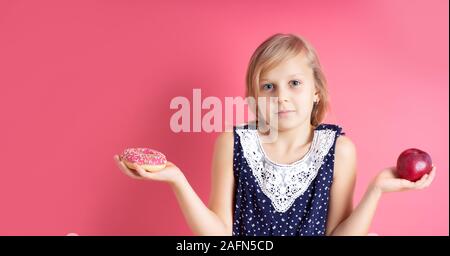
[295,83]
[267,87]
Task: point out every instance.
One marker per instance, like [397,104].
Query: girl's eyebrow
[265,79]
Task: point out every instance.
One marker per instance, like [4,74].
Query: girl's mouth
[285,112]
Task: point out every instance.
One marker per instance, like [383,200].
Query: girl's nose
[282,95]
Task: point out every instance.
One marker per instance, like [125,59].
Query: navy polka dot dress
[273,199]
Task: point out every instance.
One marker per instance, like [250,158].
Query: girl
[302,182]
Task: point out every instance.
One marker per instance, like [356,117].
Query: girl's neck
[293,138]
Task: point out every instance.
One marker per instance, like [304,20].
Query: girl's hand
[387,181]
[170,174]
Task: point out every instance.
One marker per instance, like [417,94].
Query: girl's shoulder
[245,126]
[345,148]
[343,143]
[334,127]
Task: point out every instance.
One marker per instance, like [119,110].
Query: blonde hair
[275,50]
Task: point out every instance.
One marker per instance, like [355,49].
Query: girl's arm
[215,219]
[342,219]
[341,193]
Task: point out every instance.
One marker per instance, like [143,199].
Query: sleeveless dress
[273,199]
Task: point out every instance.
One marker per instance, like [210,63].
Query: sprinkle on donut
[149,159]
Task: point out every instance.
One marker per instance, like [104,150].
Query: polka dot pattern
[254,214]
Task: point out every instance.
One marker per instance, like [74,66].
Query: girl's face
[288,93]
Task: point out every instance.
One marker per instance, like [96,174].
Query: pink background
[82,80]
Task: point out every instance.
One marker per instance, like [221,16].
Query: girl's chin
[284,124]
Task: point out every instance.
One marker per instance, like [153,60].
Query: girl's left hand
[387,181]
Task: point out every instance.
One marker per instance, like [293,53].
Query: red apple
[413,163]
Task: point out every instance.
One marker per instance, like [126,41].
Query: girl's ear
[316,95]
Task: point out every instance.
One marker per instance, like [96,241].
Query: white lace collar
[283,183]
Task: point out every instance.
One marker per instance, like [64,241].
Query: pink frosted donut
[149,159]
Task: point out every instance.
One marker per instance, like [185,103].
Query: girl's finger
[130,171]
[407,184]
[169,164]
[430,178]
[125,169]
[142,172]
[433,174]
[420,183]
[424,177]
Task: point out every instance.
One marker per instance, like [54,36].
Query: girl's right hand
[387,181]
[170,174]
